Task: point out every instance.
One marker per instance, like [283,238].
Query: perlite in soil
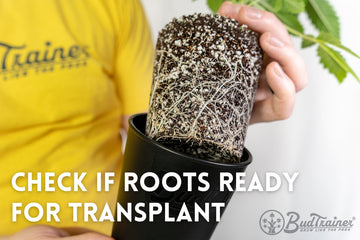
[205,76]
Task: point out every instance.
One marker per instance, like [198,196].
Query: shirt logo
[20,61]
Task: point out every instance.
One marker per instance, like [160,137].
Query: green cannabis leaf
[323,16]
[214,5]
[294,6]
[325,20]
[333,60]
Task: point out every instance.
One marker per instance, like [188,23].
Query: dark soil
[205,77]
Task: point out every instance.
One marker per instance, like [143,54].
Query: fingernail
[230,9]
[275,42]
[235,10]
[279,72]
[253,13]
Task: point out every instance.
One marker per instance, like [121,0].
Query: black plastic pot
[145,155]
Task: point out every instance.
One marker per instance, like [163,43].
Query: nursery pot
[144,155]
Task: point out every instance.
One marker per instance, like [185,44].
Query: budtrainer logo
[272,222]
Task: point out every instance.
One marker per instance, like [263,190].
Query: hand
[125,122]
[42,232]
[284,71]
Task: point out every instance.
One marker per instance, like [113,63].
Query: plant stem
[252,3]
[267,7]
[323,44]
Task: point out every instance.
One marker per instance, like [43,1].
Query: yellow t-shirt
[69,70]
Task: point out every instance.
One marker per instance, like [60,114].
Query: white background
[321,141]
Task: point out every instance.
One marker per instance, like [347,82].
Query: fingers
[258,20]
[275,39]
[263,90]
[229,9]
[288,57]
[285,75]
[89,236]
[262,21]
[40,232]
[44,232]
[75,230]
[84,234]
[280,105]
[125,122]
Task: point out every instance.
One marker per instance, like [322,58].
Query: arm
[284,71]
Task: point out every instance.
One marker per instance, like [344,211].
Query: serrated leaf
[294,6]
[307,43]
[334,62]
[276,5]
[291,20]
[329,63]
[323,16]
[328,38]
[214,5]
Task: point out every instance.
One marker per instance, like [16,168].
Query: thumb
[89,236]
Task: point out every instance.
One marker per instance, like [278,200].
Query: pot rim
[246,158]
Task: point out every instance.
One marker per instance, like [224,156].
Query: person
[72,73]
[285,72]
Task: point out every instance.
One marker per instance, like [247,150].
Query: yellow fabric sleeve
[134,58]
[69,70]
